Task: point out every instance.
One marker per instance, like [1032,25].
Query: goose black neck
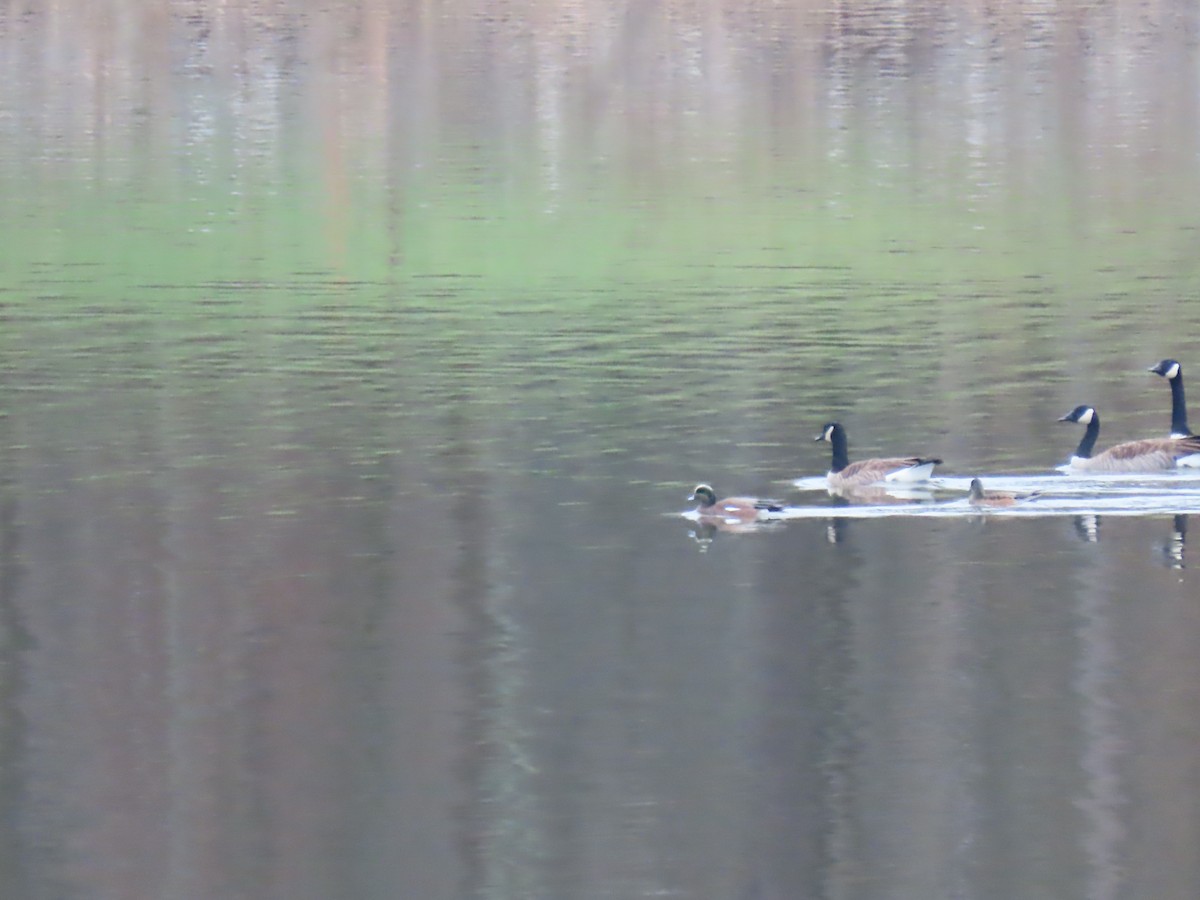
[841,449]
[1179,425]
[1084,451]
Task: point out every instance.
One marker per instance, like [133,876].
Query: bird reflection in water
[1174,547]
[836,527]
[879,495]
[1087,527]
[835,530]
[705,531]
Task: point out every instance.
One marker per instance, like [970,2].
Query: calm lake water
[356,365]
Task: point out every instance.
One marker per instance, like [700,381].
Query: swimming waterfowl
[1149,455]
[979,497]
[740,509]
[844,473]
[1171,370]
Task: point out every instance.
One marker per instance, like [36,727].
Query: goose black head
[1081,414]
[1167,368]
[827,431]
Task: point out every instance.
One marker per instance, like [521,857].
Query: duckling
[739,509]
[979,497]
[1171,370]
[844,473]
[1148,455]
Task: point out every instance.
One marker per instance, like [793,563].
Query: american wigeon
[741,509]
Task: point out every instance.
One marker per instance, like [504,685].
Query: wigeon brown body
[739,509]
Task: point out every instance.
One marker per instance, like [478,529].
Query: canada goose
[740,509]
[1149,455]
[844,473]
[1173,372]
[979,497]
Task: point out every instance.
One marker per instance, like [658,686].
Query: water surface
[355,366]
